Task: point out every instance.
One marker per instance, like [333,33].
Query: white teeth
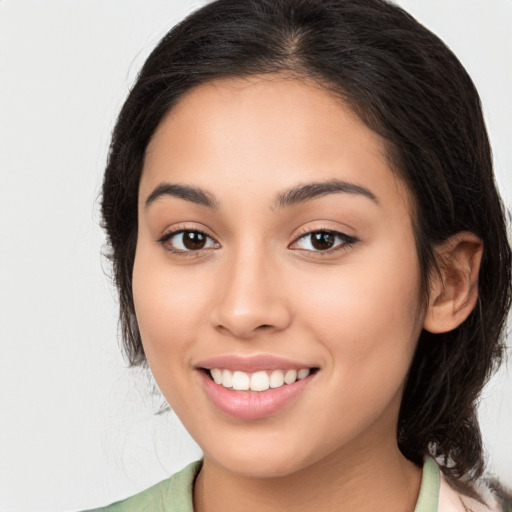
[290,376]
[217,375]
[276,379]
[241,381]
[257,381]
[227,379]
[302,373]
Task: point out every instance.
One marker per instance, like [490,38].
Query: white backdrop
[77,428]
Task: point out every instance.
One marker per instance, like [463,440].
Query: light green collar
[429,490]
[176,493]
[428,498]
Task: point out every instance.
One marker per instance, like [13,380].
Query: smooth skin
[259,285]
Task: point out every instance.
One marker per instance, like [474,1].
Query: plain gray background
[77,428]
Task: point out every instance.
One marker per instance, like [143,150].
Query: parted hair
[406,85]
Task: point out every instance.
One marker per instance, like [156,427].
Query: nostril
[244,321]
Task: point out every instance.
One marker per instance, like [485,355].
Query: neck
[376,478]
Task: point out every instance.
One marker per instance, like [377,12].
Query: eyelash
[346,242]
[164,241]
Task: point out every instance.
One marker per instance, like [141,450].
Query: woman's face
[275,252]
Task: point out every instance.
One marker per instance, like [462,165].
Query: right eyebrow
[187,192]
[306,192]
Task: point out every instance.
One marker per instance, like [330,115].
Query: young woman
[311,257]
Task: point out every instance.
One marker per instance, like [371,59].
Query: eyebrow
[293,196]
[186,192]
[303,193]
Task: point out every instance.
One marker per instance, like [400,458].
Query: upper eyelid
[347,239]
[308,231]
[164,239]
[302,232]
[325,224]
[181,229]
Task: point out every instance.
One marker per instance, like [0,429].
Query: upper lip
[251,363]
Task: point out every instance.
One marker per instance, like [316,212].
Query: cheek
[367,313]
[368,324]
[168,304]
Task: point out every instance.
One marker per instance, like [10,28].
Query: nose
[251,299]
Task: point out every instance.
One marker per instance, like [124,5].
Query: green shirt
[175,494]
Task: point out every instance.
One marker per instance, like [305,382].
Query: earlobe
[454,290]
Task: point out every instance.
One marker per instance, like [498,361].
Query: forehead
[270,131]
[295,108]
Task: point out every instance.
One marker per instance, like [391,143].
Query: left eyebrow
[186,192]
[308,191]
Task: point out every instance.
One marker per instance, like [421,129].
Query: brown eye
[187,241]
[323,241]
[193,240]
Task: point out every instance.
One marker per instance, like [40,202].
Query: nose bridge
[250,298]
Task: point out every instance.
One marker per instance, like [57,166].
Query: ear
[454,290]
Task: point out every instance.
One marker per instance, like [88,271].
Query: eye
[187,240]
[323,241]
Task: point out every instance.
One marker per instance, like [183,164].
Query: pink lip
[251,363]
[251,405]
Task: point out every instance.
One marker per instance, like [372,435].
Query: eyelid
[168,235]
[347,240]
[189,225]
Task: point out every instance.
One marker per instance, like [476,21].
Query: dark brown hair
[407,86]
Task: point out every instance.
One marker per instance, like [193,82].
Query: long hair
[407,86]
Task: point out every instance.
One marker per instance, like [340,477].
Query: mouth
[254,388]
[259,381]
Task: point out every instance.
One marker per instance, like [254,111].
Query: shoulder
[171,495]
[494,498]
[501,494]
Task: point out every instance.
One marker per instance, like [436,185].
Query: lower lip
[251,405]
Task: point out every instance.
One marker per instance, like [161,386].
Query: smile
[257,381]
[254,388]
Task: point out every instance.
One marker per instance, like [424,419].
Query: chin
[257,463]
